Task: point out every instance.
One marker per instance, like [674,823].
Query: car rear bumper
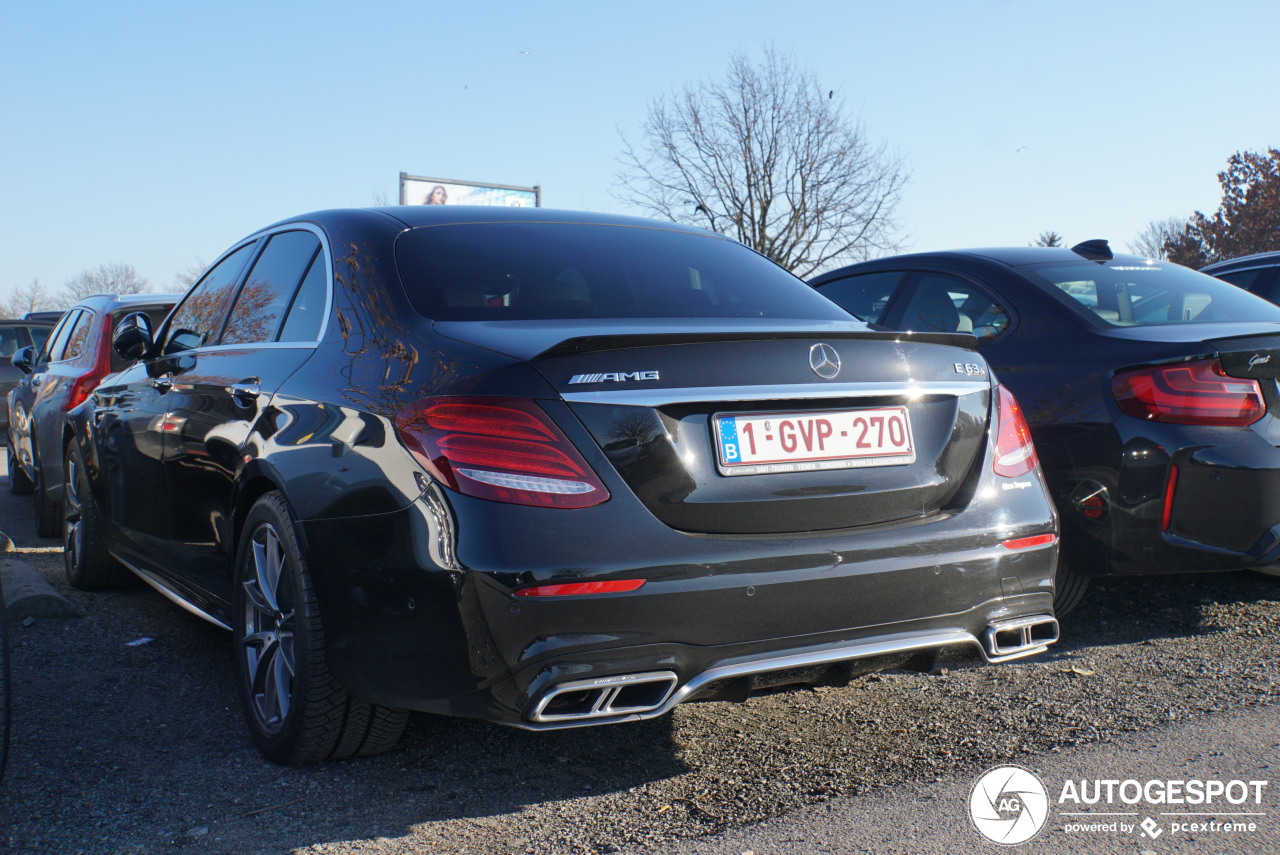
[421,611]
[1220,511]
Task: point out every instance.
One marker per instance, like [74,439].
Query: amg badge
[615,377]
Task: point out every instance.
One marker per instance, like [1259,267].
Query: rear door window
[306,313]
[78,340]
[268,289]
[866,295]
[941,302]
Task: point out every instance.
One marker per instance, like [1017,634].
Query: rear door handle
[246,391]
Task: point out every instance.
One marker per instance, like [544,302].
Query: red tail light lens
[504,449]
[577,589]
[81,388]
[1030,542]
[1189,393]
[84,385]
[1015,453]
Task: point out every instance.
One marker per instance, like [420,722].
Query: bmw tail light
[1015,453]
[1189,393]
[504,449]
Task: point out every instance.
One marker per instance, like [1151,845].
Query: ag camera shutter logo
[1008,805]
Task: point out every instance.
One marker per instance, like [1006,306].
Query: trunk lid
[670,405]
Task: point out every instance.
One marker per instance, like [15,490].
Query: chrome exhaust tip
[1009,639]
[604,697]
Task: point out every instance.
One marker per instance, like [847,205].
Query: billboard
[416,190]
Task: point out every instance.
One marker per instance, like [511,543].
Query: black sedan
[548,469]
[1150,390]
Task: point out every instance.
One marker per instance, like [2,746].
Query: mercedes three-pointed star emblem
[824,361]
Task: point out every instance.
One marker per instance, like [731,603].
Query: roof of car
[113,301]
[415,216]
[1242,261]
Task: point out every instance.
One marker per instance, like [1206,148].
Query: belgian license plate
[755,443]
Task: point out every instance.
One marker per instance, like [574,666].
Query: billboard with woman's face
[416,190]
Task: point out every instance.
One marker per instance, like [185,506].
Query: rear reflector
[1166,515]
[575,589]
[504,449]
[1015,453]
[1189,393]
[1030,542]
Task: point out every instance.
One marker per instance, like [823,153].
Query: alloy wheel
[268,643]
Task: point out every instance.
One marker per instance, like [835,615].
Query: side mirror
[132,338]
[25,359]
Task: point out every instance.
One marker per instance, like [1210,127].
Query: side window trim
[261,239]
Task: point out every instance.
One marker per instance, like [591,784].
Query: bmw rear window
[1147,293]
[528,271]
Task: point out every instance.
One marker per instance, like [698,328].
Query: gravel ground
[127,747]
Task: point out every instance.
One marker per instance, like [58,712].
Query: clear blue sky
[158,133]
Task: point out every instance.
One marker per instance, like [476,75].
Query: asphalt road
[128,739]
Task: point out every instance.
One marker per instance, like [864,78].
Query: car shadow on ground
[1134,609]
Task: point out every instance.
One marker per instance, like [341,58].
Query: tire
[19,483]
[48,512]
[1068,589]
[296,710]
[89,566]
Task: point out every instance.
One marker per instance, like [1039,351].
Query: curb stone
[26,593]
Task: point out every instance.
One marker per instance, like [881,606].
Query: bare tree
[27,298]
[1049,238]
[767,156]
[185,277]
[1151,241]
[116,278]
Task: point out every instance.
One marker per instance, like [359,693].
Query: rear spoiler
[594,343]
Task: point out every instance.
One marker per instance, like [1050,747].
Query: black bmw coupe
[1151,391]
[549,469]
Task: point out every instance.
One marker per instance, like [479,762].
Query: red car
[58,374]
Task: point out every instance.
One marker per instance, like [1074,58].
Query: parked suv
[15,335]
[58,373]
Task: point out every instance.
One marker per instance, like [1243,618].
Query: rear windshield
[526,271]
[1128,294]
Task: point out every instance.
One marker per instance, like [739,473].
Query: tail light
[504,449]
[82,386]
[1015,454]
[1189,393]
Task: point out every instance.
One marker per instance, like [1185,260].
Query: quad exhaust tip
[605,697]
[1019,637]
